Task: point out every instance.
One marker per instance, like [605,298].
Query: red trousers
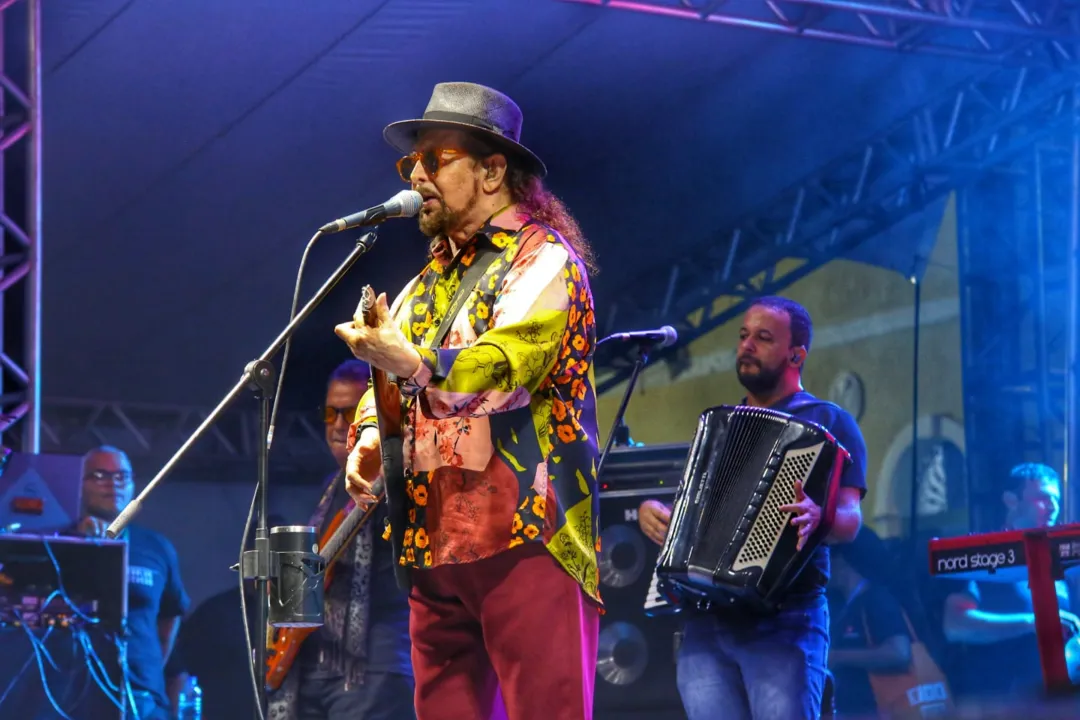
[515,623]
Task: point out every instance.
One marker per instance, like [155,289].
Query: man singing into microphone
[500,436]
[772,667]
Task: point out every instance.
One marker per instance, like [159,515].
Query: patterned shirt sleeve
[507,363]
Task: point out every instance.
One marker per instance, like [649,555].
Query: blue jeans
[755,668]
[383,696]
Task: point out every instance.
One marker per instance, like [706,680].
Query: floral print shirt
[499,424]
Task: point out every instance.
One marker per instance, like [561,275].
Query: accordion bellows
[728,540]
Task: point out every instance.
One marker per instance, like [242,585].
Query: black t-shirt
[1009,666]
[870,617]
[155,592]
[814,578]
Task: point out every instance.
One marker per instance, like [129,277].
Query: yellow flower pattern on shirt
[506,405]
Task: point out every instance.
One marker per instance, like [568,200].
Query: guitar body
[283,645]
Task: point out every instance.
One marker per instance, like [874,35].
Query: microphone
[405,204]
[665,337]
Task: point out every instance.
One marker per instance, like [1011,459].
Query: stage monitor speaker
[635,674]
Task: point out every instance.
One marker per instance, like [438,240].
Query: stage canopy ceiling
[191,149]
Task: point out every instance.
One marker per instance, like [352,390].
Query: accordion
[728,541]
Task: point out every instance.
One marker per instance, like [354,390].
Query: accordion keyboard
[654,600]
[770,522]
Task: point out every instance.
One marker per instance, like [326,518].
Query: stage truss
[994,31]
[1018,237]
[20,231]
[152,433]
[931,152]
[934,150]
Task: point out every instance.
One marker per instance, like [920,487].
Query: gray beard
[444,220]
[439,222]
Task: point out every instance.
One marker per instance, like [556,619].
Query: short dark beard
[763,382]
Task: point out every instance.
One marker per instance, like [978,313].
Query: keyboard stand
[1042,571]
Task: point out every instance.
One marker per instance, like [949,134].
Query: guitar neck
[334,547]
[386,394]
[387,399]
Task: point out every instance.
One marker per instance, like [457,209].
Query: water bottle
[190,700]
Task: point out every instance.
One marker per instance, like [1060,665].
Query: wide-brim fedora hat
[475,108]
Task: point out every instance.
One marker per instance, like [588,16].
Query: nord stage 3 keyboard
[1001,556]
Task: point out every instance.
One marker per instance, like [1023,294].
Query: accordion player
[728,542]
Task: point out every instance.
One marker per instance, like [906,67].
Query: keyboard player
[993,623]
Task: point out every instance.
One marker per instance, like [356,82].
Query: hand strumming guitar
[381,345]
[363,466]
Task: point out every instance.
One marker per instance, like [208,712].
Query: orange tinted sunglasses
[331,413]
[433,161]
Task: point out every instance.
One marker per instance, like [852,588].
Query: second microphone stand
[259,376]
[644,347]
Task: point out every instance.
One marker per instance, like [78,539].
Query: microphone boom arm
[255,374]
[258,376]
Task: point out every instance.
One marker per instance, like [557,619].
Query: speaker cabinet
[635,672]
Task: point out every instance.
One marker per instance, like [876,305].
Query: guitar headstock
[367,306]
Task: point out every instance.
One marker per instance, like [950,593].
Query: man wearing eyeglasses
[156,596]
[344,389]
[356,666]
[493,344]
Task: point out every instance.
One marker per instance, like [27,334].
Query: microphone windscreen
[671,336]
[409,201]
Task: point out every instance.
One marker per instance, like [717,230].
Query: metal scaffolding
[20,230]
[1072,337]
[936,149]
[1018,290]
[994,31]
[1015,131]
[150,434]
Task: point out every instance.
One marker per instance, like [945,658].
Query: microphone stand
[259,376]
[644,348]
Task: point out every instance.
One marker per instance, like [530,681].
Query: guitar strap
[392,450]
[481,262]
